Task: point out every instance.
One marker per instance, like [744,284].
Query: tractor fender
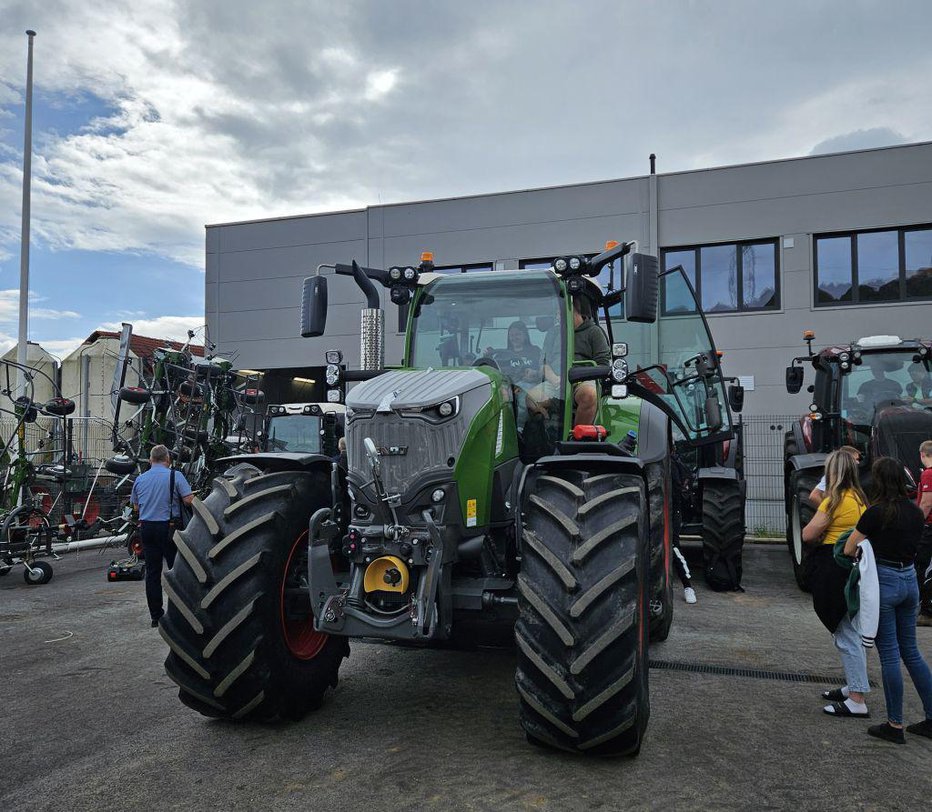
[280,461]
[654,441]
[806,462]
[720,473]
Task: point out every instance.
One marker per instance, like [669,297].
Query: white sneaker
[689,594]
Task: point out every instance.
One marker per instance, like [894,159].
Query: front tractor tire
[799,513]
[723,530]
[238,625]
[582,633]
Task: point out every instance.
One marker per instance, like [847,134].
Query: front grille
[429,446]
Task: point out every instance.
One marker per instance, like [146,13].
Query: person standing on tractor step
[159,510]
[589,344]
[924,554]
[839,512]
[894,526]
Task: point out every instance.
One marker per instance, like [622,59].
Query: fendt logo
[392,450]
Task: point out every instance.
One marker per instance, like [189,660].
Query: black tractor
[711,494]
[875,395]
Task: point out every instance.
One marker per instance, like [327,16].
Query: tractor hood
[415,389]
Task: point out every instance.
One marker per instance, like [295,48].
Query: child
[924,553]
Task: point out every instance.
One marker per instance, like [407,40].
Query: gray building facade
[840,244]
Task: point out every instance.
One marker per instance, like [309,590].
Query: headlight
[437,495]
[559,265]
[446,408]
[843,356]
[334,356]
[332,374]
[619,370]
[394,274]
[619,350]
[333,396]
[575,263]
[845,365]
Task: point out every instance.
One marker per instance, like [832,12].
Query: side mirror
[713,413]
[314,307]
[794,379]
[641,286]
[736,397]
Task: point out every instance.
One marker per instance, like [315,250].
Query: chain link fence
[763,466]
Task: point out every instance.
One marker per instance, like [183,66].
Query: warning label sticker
[470,512]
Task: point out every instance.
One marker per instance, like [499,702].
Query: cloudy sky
[155,117]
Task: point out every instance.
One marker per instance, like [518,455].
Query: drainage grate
[753,673]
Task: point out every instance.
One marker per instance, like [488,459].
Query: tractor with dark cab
[874,394]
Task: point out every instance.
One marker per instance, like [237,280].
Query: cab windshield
[296,433]
[883,377]
[513,320]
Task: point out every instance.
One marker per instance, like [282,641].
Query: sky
[153,118]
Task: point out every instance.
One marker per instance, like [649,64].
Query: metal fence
[89,490]
[763,468]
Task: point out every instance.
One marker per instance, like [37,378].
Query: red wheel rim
[42,499]
[302,639]
[91,514]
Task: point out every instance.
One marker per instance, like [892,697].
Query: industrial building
[840,244]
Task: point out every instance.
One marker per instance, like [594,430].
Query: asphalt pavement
[91,722]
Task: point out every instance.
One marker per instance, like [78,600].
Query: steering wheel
[486,361]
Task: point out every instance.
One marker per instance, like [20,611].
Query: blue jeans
[896,638]
[853,656]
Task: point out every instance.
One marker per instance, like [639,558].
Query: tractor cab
[874,394]
[303,428]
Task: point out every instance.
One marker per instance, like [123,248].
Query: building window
[729,278]
[884,265]
[476,266]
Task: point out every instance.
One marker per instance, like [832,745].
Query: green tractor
[471,504]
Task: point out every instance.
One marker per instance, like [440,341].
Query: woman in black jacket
[893,524]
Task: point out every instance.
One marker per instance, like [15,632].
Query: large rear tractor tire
[239,623]
[801,511]
[723,531]
[582,633]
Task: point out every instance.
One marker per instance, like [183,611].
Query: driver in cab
[590,344]
[880,387]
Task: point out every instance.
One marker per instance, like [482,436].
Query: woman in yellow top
[839,511]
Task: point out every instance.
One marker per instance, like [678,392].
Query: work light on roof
[410,274]
[575,263]
[560,264]
[395,274]
[400,295]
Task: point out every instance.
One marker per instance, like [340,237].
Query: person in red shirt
[924,553]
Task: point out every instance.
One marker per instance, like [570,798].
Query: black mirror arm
[589,373]
[363,277]
[598,262]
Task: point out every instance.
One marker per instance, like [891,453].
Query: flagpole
[24,243]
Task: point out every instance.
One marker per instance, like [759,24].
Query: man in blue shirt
[159,512]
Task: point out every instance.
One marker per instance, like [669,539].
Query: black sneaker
[921,728]
[888,733]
